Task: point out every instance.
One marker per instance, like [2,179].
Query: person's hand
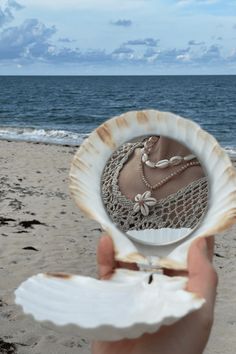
[188,335]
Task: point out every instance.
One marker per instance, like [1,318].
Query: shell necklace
[145,200]
[173,161]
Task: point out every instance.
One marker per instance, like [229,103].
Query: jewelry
[173,161]
[167,178]
[144,201]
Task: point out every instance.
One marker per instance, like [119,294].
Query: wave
[59,137]
[231,151]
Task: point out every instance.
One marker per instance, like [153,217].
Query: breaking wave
[60,137]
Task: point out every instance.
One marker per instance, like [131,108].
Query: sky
[117,37]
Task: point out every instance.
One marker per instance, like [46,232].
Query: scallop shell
[89,162]
[125,306]
[132,303]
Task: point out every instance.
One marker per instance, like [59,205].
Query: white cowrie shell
[189,157]
[176,160]
[162,164]
[150,164]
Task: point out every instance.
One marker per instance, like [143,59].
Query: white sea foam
[231,151]
[60,137]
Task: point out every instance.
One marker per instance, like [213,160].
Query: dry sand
[42,230]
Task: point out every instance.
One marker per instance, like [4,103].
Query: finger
[202,276]
[105,257]
[210,253]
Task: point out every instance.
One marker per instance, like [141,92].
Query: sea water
[65,109]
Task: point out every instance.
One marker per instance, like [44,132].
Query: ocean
[65,109]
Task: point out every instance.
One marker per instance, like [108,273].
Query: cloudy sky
[87,37]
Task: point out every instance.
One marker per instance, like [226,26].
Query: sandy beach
[42,230]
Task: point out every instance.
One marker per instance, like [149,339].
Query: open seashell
[125,306]
[90,160]
[132,303]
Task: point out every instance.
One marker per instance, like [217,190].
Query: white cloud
[27,41]
[193,42]
[32,42]
[184,57]
[7,8]
[232,56]
[122,23]
[66,40]
[149,42]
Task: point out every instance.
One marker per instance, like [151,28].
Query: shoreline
[43,230]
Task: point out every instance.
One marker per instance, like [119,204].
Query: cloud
[232,56]
[123,50]
[6,11]
[27,41]
[66,40]
[193,42]
[150,42]
[184,57]
[15,5]
[31,42]
[173,56]
[210,55]
[98,56]
[122,23]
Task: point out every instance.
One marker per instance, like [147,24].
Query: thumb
[105,257]
[202,276]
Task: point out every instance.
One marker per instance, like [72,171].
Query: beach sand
[42,230]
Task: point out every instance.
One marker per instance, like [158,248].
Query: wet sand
[42,230]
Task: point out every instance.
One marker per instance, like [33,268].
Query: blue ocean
[65,109]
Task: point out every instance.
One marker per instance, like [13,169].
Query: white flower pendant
[143,202]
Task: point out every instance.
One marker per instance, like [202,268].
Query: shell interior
[163,236]
[96,306]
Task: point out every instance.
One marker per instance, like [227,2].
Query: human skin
[188,335]
[130,182]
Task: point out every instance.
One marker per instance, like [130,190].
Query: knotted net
[183,209]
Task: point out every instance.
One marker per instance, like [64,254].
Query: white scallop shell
[89,162]
[127,306]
